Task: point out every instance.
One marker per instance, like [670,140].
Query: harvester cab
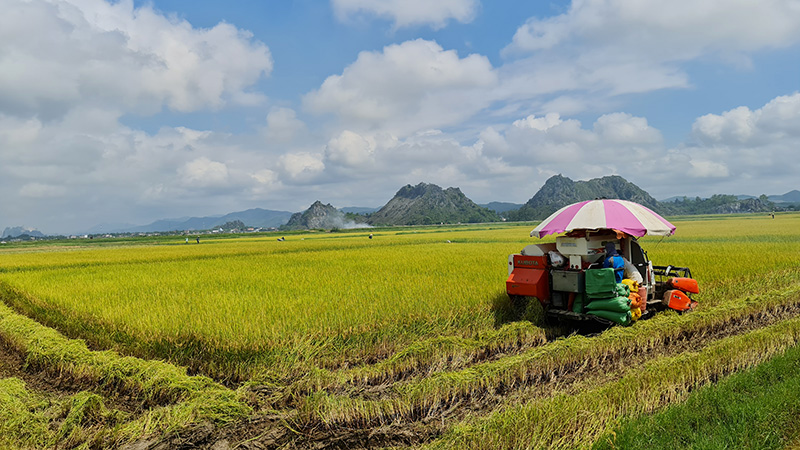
[569,279]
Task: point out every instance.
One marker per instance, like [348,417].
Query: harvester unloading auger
[569,279]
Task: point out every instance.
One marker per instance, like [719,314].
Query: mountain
[501,207]
[559,191]
[319,216]
[425,204]
[256,217]
[13,232]
[358,210]
[789,197]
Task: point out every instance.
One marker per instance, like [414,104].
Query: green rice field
[335,340]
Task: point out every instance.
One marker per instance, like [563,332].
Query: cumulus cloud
[405,88]
[203,172]
[266,181]
[73,71]
[350,149]
[624,129]
[603,48]
[736,151]
[743,127]
[58,54]
[677,30]
[301,167]
[283,125]
[405,13]
[759,143]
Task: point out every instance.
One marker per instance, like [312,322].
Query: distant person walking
[198,239]
[187,240]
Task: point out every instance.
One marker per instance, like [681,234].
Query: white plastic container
[584,246]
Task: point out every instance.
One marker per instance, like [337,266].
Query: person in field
[627,271]
[615,261]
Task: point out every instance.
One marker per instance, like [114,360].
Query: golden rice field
[327,332]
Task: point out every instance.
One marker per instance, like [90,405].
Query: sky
[131,111]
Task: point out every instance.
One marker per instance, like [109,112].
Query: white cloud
[58,54]
[655,30]
[741,126]
[758,144]
[708,169]
[406,88]
[301,167]
[624,129]
[266,181]
[600,49]
[405,13]
[736,151]
[539,123]
[350,149]
[72,71]
[283,125]
[203,172]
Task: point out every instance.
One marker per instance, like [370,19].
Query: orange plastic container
[678,300]
[685,284]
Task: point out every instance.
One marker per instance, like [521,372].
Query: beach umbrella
[623,215]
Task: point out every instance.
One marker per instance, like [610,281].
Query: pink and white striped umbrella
[623,215]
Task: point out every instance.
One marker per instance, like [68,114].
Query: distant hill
[559,191]
[789,197]
[426,204]
[13,232]
[319,216]
[719,204]
[256,217]
[501,207]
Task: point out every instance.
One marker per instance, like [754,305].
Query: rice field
[326,332]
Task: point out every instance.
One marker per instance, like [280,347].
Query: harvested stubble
[23,419]
[421,397]
[186,399]
[576,421]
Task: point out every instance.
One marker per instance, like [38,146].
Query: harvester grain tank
[567,276]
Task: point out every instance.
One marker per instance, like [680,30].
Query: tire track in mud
[425,425]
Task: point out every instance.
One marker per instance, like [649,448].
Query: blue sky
[132,111]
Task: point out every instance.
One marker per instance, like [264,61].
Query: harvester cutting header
[597,273]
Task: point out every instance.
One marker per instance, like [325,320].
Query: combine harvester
[569,279]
